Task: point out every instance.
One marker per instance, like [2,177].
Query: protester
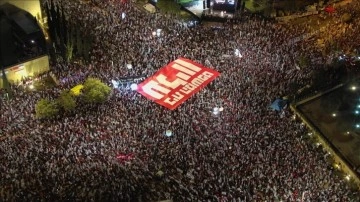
[119,152]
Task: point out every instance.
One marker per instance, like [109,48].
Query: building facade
[23,50]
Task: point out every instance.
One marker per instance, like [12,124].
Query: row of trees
[93,92]
[67,38]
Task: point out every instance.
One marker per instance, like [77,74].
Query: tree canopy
[95,91]
[67,101]
[46,109]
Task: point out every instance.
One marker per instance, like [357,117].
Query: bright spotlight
[168,133]
[32,41]
[334,115]
[357,125]
[133,86]
[129,66]
[353,87]
[356,112]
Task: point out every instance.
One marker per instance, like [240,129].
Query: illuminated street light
[337,166]
[356,112]
[334,115]
[347,177]
[353,87]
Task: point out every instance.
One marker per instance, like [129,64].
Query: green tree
[95,91]
[67,101]
[46,109]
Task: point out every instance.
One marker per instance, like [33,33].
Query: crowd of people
[118,151]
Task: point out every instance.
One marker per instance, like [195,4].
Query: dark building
[21,38]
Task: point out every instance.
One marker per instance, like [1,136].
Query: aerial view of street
[179,101]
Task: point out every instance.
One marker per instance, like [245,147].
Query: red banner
[176,82]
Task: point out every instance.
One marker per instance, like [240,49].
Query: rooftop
[336,115]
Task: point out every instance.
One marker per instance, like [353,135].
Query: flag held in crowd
[176,82]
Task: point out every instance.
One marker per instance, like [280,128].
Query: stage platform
[210,10]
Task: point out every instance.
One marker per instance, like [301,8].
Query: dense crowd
[245,153]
